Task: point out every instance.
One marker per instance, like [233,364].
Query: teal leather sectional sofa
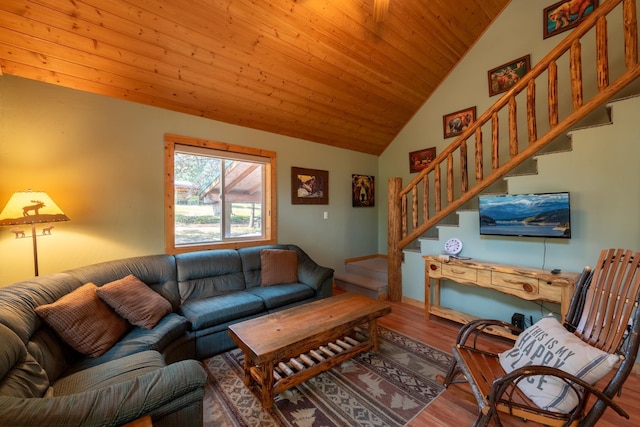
[148,371]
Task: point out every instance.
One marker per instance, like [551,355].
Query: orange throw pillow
[278,266]
[132,299]
[84,321]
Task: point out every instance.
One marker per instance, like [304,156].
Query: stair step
[366,286]
[374,268]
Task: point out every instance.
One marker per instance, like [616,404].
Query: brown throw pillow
[132,299]
[85,322]
[278,266]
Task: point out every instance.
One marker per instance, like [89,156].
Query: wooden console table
[533,284]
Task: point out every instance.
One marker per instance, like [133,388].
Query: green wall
[101,160]
[599,172]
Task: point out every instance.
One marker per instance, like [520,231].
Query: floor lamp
[31,208]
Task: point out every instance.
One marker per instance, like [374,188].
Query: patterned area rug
[388,388]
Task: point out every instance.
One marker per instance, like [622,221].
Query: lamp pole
[35,247]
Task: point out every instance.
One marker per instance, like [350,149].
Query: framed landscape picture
[565,15]
[503,77]
[420,159]
[309,186]
[454,124]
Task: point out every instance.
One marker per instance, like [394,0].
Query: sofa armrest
[310,273]
[114,405]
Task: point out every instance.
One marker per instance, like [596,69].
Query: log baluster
[450,184]
[495,146]
[438,189]
[479,160]
[630,33]
[463,167]
[532,129]
[602,53]
[513,127]
[414,207]
[576,74]
[404,215]
[425,198]
[553,94]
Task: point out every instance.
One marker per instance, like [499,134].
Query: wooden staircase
[419,206]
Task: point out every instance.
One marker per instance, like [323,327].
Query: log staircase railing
[425,192]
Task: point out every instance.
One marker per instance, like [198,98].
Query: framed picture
[454,124]
[363,191]
[565,15]
[420,159]
[503,77]
[309,186]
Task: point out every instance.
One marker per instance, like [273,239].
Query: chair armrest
[473,329]
[109,406]
[502,384]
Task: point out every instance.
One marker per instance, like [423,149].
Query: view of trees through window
[216,198]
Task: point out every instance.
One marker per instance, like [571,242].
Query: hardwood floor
[453,408]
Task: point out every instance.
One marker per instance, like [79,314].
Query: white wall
[101,160]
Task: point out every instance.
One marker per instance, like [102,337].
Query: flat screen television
[526,215]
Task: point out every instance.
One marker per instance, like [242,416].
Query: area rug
[388,388]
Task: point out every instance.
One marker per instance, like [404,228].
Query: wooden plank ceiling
[320,70]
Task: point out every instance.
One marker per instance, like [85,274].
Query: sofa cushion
[20,374]
[106,374]
[157,271]
[207,312]
[84,321]
[548,343]
[251,263]
[53,354]
[18,301]
[135,301]
[170,328]
[209,273]
[279,295]
[278,267]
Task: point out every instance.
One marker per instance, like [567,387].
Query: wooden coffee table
[287,347]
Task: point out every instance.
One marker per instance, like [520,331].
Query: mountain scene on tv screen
[544,215]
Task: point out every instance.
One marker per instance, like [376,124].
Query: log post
[394,252]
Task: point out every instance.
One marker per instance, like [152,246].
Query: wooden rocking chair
[603,314]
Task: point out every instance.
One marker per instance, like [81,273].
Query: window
[217,195]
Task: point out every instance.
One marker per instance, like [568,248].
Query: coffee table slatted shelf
[287,374]
[286,348]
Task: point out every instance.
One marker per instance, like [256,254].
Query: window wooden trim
[270,223]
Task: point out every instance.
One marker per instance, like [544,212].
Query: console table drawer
[457,272]
[517,283]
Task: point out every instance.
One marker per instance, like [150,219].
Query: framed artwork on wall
[309,186]
[363,191]
[454,124]
[565,15]
[420,159]
[506,75]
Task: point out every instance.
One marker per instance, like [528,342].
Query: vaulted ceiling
[320,70]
